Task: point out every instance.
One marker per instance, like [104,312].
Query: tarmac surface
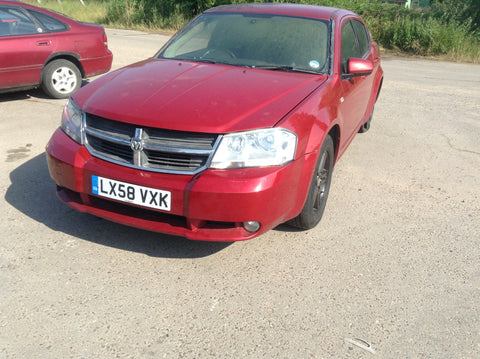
[392,270]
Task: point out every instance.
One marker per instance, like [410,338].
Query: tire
[61,78]
[320,185]
[366,126]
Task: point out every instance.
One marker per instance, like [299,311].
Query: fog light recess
[251,226]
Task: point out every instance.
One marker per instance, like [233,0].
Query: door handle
[43,43]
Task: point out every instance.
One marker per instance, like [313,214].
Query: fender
[67,55]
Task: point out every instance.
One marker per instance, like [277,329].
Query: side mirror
[359,67]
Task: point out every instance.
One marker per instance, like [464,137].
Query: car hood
[198,97]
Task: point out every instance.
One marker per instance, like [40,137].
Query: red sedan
[231,129]
[40,47]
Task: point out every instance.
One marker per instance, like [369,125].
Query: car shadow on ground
[32,192]
[30,93]
[23,95]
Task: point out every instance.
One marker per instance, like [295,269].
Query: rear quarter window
[50,23]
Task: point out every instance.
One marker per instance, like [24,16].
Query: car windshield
[272,42]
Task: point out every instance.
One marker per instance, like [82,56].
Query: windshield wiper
[194,59]
[285,68]
[207,61]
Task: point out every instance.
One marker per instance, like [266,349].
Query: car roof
[301,10]
[57,15]
[26,5]
[22,4]
[11,2]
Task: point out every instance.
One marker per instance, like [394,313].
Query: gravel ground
[392,271]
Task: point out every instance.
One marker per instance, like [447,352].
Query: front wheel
[61,78]
[318,193]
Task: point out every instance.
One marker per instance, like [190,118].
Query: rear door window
[13,22]
[363,38]
[349,45]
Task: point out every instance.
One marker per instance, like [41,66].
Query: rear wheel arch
[69,56]
[366,126]
[335,135]
[379,89]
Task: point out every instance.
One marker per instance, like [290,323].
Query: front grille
[148,148]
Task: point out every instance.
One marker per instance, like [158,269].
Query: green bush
[466,12]
[446,27]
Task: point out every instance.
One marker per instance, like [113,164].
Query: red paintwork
[223,196]
[213,98]
[22,57]
[360,66]
[261,96]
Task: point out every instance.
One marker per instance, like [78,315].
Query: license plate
[131,193]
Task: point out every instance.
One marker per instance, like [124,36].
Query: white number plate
[131,193]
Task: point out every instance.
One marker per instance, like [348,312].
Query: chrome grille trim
[105,137]
[147,148]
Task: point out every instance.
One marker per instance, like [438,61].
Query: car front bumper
[211,205]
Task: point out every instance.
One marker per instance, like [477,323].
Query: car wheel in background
[61,78]
[318,193]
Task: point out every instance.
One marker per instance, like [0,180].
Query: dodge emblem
[136,144]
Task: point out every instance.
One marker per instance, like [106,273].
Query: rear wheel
[318,193]
[366,126]
[61,78]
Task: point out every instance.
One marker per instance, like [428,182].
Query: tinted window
[50,23]
[363,37]
[16,22]
[349,44]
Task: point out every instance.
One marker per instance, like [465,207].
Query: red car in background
[231,129]
[41,47]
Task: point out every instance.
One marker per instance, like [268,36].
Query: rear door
[24,47]
[356,90]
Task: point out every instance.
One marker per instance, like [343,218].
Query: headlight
[258,148]
[72,121]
